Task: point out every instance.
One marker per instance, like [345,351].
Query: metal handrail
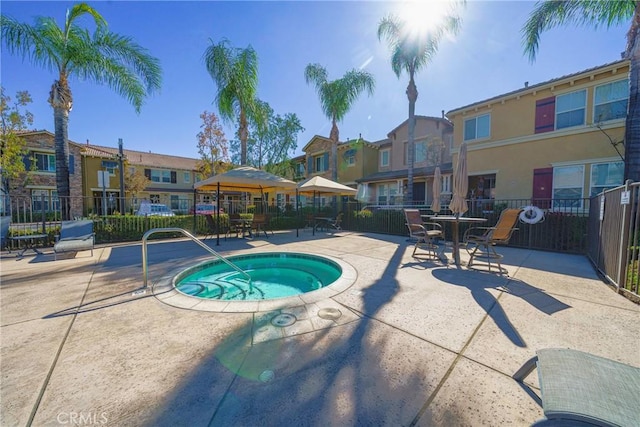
[145,270]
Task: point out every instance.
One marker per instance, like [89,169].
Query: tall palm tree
[102,57]
[550,14]
[337,97]
[411,51]
[235,73]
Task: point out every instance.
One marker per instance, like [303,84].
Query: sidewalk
[417,343]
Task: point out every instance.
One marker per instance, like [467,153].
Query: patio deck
[417,343]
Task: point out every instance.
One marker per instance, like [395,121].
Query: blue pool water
[273,275]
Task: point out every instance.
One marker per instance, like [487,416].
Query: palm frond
[551,14]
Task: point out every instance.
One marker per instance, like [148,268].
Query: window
[611,101]
[445,183]
[477,127]
[567,186]
[384,158]
[186,177]
[160,176]
[321,163]
[299,169]
[605,176]
[570,109]
[420,153]
[387,193]
[45,162]
[44,200]
[110,166]
[154,198]
[351,159]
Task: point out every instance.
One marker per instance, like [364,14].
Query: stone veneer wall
[22,186]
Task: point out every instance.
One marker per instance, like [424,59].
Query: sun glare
[422,16]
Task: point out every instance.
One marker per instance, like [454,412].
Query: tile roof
[142,158]
[397,174]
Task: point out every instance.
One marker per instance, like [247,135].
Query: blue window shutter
[27,161]
[309,166]
[326,161]
[72,165]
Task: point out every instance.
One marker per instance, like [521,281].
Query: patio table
[455,222]
[29,241]
[244,225]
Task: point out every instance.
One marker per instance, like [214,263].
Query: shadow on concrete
[479,284]
[342,375]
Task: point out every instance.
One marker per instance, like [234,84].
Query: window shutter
[542,187]
[147,173]
[545,115]
[309,166]
[174,177]
[326,161]
[72,165]
[27,162]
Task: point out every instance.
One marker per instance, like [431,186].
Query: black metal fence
[614,237]
[564,228]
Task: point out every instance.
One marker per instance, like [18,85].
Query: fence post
[43,214]
[624,241]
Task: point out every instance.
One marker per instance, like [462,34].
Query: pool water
[273,275]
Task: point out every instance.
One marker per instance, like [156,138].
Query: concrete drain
[329,313]
[283,319]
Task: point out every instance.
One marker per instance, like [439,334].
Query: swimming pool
[274,275]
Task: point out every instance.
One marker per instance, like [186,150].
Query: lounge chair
[336,223]
[75,236]
[425,233]
[580,389]
[480,241]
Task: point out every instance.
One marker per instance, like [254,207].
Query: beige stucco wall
[513,150]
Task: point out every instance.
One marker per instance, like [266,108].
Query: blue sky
[484,60]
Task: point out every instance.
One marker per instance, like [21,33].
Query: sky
[483,60]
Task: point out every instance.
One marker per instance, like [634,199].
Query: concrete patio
[417,343]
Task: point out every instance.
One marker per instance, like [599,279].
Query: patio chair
[480,241]
[261,224]
[74,236]
[425,233]
[580,389]
[336,223]
[212,227]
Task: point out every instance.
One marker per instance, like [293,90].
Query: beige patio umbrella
[243,178]
[460,183]
[437,189]
[318,184]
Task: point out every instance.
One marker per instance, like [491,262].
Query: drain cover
[266,376]
[283,319]
[329,313]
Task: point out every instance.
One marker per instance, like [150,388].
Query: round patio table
[455,222]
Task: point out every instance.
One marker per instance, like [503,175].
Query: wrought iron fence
[614,237]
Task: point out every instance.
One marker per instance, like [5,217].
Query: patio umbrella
[460,184]
[318,184]
[243,178]
[437,189]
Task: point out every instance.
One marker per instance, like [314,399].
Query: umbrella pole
[218,208]
[297,213]
[314,214]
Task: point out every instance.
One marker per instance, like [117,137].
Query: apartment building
[560,139]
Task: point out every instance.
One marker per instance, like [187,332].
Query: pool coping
[164,290]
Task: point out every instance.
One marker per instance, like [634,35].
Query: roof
[533,88]
[417,172]
[437,119]
[313,138]
[142,158]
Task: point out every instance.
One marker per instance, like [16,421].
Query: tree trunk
[334,136]
[632,130]
[243,133]
[61,101]
[412,94]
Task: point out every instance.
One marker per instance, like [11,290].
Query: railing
[145,269]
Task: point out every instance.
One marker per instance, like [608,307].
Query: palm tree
[550,14]
[102,57]
[235,73]
[412,51]
[337,97]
